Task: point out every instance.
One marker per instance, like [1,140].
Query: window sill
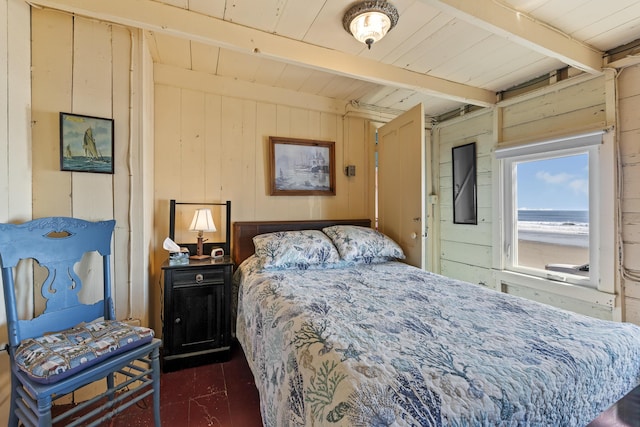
[580,293]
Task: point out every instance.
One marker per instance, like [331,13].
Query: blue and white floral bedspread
[387,344]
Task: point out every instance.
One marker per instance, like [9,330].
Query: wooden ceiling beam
[504,21]
[160,17]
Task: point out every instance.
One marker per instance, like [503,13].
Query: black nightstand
[196,327]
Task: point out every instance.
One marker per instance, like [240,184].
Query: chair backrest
[56,243]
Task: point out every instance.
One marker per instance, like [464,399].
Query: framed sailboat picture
[86,143]
[302,167]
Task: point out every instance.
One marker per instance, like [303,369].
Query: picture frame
[86,143]
[302,167]
[465,206]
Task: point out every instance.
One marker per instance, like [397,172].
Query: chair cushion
[52,357]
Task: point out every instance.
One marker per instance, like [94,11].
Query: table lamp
[202,221]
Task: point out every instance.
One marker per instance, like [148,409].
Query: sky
[560,183]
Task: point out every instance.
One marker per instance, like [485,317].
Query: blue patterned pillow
[362,244]
[294,249]
[50,358]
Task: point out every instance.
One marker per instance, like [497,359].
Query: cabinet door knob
[177,321]
[199,278]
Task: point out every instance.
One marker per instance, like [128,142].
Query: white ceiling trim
[159,17]
[504,21]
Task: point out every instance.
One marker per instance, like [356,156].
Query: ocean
[554,226]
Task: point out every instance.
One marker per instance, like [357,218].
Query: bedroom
[174,104]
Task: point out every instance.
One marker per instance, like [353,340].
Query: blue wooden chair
[71,344]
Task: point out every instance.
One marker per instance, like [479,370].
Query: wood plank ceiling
[444,53]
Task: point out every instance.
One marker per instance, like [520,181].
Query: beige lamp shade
[203,221]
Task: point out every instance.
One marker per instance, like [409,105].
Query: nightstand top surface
[226,260]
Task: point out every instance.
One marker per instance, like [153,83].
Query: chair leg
[110,384]
[44,411]
[155,364]
[13,406]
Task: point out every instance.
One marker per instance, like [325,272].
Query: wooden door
[401,183]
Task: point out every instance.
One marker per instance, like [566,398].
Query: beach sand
[538,254]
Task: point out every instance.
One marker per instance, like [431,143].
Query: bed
[365,339]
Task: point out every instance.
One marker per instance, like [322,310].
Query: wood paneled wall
[465,250]
[15,147]
[212,146]
[58,62]
[568,107]
[88,67]
[571,106]
[629,150]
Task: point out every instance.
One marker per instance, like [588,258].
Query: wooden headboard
[243,232]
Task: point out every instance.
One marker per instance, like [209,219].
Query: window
[551,209]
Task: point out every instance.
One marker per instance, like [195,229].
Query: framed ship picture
[86,143]
[302,167]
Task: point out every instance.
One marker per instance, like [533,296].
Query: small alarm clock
[217,253]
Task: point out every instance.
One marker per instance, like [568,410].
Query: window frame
[511,213]
[604,168]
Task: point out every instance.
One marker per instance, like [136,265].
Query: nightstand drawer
[204,276]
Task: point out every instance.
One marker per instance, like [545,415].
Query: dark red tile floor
[219,394]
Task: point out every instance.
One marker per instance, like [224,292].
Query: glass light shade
[369,21]
[370,27]
[203,221]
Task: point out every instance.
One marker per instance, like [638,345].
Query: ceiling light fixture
[369,21]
